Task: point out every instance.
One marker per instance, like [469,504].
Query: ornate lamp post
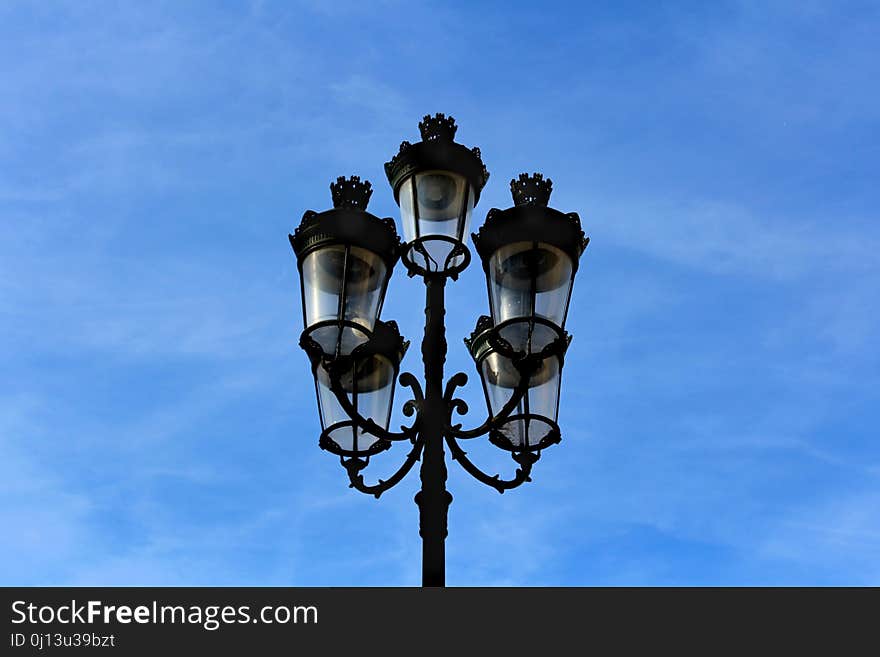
[346,255]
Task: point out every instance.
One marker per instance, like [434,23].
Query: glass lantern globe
[531,426]
[367,378]
[530,255]
[436,183]
[435,208]
[345,257]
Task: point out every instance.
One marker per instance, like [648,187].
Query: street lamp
[346,255]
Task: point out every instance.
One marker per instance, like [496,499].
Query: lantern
[531,426]
[345,257]
[530,255]
[436,183]
[367,378]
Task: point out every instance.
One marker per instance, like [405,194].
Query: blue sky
[720,403]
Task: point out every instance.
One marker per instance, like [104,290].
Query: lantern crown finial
[437,151]
[351,192]
[531,190]
[439,127]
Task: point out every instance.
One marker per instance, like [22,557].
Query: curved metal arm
[526,368]
[355,465]
[368,425]
[525,460]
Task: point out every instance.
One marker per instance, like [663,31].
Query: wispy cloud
[842,534]
[729,238]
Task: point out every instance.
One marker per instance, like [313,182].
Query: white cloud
[839,535]
[729,238]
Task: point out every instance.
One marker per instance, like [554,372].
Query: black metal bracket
[447,269]
[409,408]
[523,474]
[525,459]
[354,466]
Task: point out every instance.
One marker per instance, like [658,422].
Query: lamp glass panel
[435,203]
[342,283]
[369,386]
[542,398]
[529,279]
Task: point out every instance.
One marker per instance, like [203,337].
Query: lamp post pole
[433,499]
